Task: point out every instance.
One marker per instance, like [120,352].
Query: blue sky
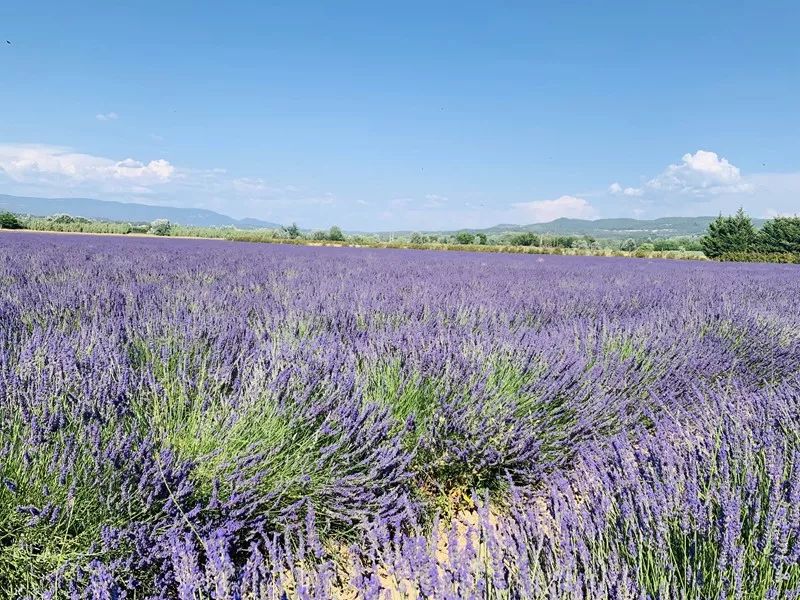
[416,115]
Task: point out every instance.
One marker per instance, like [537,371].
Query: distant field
[267,236]
[202,419]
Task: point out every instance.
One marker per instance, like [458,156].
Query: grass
[54,502]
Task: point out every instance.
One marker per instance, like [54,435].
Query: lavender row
[188,419]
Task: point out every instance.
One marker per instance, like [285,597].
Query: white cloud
[541,211]
[109,116]
[36,163]
[700,175]
[45,170]
[616,188]
[705,183]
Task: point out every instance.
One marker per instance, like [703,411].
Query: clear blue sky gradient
[415,115]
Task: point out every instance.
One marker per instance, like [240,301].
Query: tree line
[734,238]
[728,238]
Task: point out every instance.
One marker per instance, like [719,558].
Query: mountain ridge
[133,212]
[109,210]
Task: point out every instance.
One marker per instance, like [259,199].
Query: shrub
[766,257]
[666,245]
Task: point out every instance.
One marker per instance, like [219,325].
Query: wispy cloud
[109,116]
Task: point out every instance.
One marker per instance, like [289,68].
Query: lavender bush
[185,419]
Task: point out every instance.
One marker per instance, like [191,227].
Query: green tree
[417,238]
[293,231]
[335,234]
[160,227]
[481,238]
[465,237]
[526,238]
[9,221]
[729,234]
[781,234]
[628,245]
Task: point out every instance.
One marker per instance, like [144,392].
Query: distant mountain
[665,227]
[127,212]
[144,213]
[619,228]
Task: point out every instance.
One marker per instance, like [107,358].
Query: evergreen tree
[729,234]
[781,234]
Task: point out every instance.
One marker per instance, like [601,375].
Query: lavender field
[197,419]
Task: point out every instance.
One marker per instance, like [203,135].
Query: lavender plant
[199,419]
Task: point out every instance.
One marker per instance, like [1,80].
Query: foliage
[563,241]
[525,238]
[160,227]
[293,231]
[335,234]
[64,218]
[766,257]
[9,221]
[464,237]
[183,419]
[666,245]
[729,234]
[780,235]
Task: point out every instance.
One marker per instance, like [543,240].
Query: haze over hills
[130,212]
[665,227]
[619,228]
[144,213]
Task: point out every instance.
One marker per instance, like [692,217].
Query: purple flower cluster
[199,419]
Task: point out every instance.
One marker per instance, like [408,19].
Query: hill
[129,212]
[665,227]
[619,228]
